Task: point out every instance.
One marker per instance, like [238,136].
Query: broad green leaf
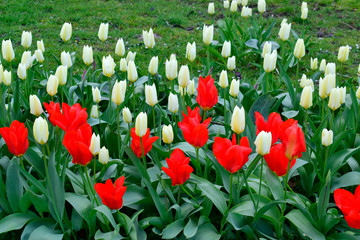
[14,186]
[206,231]
[304,225]
[107,236]
[81,205]
[57,186]
[190,228]
[173,229]
[15,221]
[45,233]
[346,180]
[107,212]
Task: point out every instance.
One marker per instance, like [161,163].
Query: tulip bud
[173,103]
[330,69]
[167,134]
[231,64]
[40,45]
[261,6]
[263,143]
[126,115]
[234,88]
[246,12]
[304,13]
[88,55]
[27,59]
[223,81]
[238,120]
[326,84]
[343,55]
[104,155]
[94,113]
[306,97]
[233,6]
[266,49]
[1,73]
[66,59]
[21,71]
[66,31]
[7,50]
[153,66]
[309,83]
[141,124]
[26,39]
[108,66]
[184,76]
[103,31]
[226,49]
[303,79]
[303,5]
[342,95]
[7,78]
[39,56]
[327,137]
[334,100]
[132,72]
[270,61]
[130,56]
[35,106]
[358,93]
[314,63]
[322,65]
[118,92]
[208,34]
[151,95]
[191,51]
[191,88]
[52,85]
[284,32]
[171,68]
[61,74]
[211,8]
[123,65]
[149,39]
[96,94]
[41,130]
[120,47]
[226,4]
[243,2]
[299,50]
[95,144]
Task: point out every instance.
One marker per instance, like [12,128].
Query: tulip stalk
[305,121]
[153,113]
[325,160]
[198,164]
[297,69]
[286,186]
[184,189]
[2,104]
[226,129]
[118,130]
[208,59]
[261,173]
[142,152]
[110,90]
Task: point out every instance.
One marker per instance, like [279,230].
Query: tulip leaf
[35,160]
[14,186]
[15,221]
[82,206]
[205,232]
[173,229]
[57,186]
[252,43]
[190,228]
[338,159]
[107,212]
[289,86]
[45,233]
[114,235]
[346,180]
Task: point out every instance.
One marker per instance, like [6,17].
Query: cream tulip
[284,32]
[41,130]
[154,65]
[304,13]
[96,94]
[35,106]
[108,66]
[94,113]
[7,50]
[123,65]
[7,78]
[184,76]
[299,50]
[66,59]
[234,88]
[313,63]
[26,39]
[171,68]
[21,71]
[173,103]
[95,144]
[167,134]
[1,73]
[103,31]
[120,48]
[231,63]
[226,49]
[343,54]
[342,95]
[27,59]
[358,93]
[238,120]
[233,6]
[61,74]
[130,56]
[52,85]
[39,56]
[126,115]
[223,81]
[149,39]
[66,32]
[226,4]
[190,51]
[190,89]
[40,45]
[208,34]
[118,92]
[330,69]
[246,12]
[141,124]
[87,55]
[261,6]
[266,49]
[104,156]
[327,137]
[151,95]
[322,65]
[335,99]
[270,61]
[325,85]
[211,8]
[306,97]
[132,72]
[263,143]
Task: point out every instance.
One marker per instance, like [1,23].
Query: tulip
[246,12]
[284,32]
[151,95]
[208,34]
[41,130]
[272,125]
[303,80]
[211,8]
[304,13]
[299,50]
[303,6]
[182,91]
[178,167]
[40,45]
[231,64]
[342,95]
[190,89]
[111,196]
[184,76]
[95,144]
[120,47]
[126,115]
[191,51]
[26,39]
[103,31]
[66,31]
[306,97]
[223,81]
[35,106]
[61,74]
[87,55]
[27,59]
[130,56]
[7,78]
[207,93]
[263,143]
[7,50]
[21,71]
[123,65]
[326,137]
[348,204]
[270,61]
[238,120]
[326,84]
[322,65]
[141,124]
[167,134]
[15,138]
[118,92]
[226,49]
[266,49]
[358,93]
[153,66]
[94,113]
[104,156]
[243,2]
[330,69]
[66,59]
[96,94]
[39,56]
[52,85]
[173,103]
[277,160]
[292,138]
[171,68]
[335,99]
[234,88]
[233,6]
[262,6]
[314,63]
[226,4]
[149,39]
[146,141]
[132,72]
[1,73]
[108,66]
[343,55]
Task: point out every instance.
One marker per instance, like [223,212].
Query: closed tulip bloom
[292,138]
[35,106]
[263,143]
[322,65]
[190,51]
[149,39]
[223,81]
[123,65]
[96,94]
[343,55]
[304,13]
[151,95]
[226,49]
[7,50]
[326,84]
[7,78]
[16,138]
[303,6]
[306,97]
[238,120]
[327,137]
[167,134]
[95,144]
[211,8]
[146,140]
[208,34]
[358,93]
[104,156]
[184,76]
[26,39]
[66,32]
[207,93]
[190,89]
[87,55]
[120,48]
[130,56]
[342,95]
[141,124]
[52,85]
[226,4]
[108,66]
[330,69]
[1,73]
[27,59]
[246,12]
[303,79]
[126,115]
[103,31]
[39,56]
[111,195]
[272,125]
[231,63]
[94,113]
[118,92]
[234,88]
[61,74]
[277,160]
[173,103]
[66,59]
[284,32]
[132,72]
[299,50]
[153,65]
[262,6]
[314,63]
[348,204]
[233,6]
[178,167]
[266,49]
[270,61]
[41,130]
[21,71]
[40,45]
[171,68]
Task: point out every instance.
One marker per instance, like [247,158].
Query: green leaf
[338,159]
[106,211]
[206,231]
[45,233]
[273,182]
[15,221]
[303,224]
[173,229]
[35,160]
[107,236]
[14,186]
[289,86]
[57,186]
[346,180]
[324,197]
[190,228]
[82,206]
[262,105]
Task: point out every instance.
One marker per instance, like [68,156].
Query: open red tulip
[277,160]
[178,167]
[15,138]
[207,93]
[111,196]
[147,142]
[292,138]
[272,125]
[349,204]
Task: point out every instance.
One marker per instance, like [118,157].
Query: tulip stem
[305,121]
[326,157]
[231,191]
[169,149]
[2,104]
[286,186]
[282,50]
[322,108]
[94,171]
[184,189]
[261,173]
[198,164]
[142,152]
[118,130]
[208,59]
[226,129]
[332,119]
[341,70]
[110,90]
[178,196]
[297,69]
[153,113]
[21,162]
[204,114]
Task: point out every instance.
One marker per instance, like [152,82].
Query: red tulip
[70,119]
[207,93]
[147,142]
[77,143]
[277,160]
[195,133]
[179,169]
[230,155]
[272,125]
[292,138]
[15,137]
[111,196]
[349,204]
